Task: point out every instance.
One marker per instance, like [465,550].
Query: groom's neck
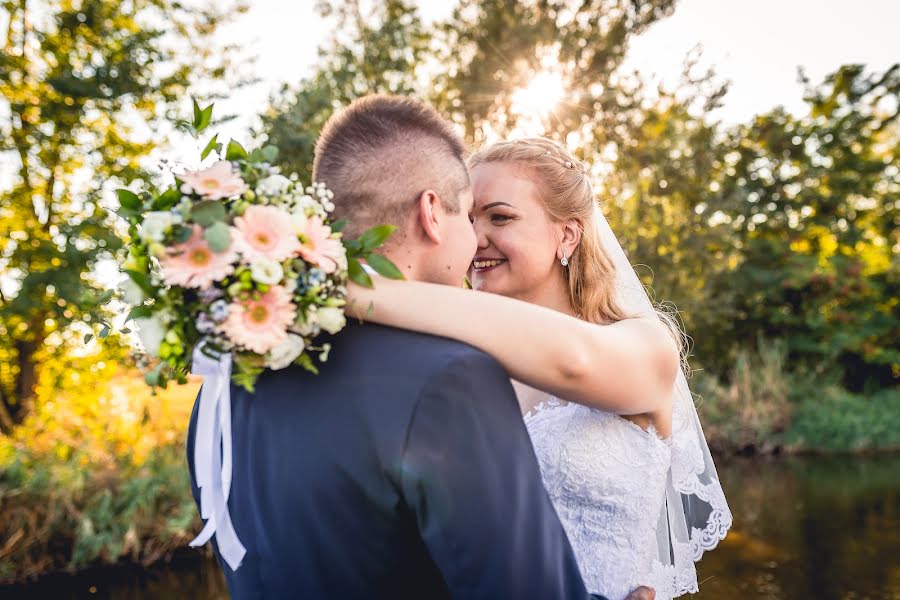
[407,259]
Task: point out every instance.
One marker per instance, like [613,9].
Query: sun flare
[540,96]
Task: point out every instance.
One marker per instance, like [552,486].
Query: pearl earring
[564,261]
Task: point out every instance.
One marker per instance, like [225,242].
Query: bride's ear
[428,215]
[571,237]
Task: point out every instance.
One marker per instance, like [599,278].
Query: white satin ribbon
[212,456]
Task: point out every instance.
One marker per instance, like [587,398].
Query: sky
[757,45]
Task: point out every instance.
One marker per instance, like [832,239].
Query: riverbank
[824,527]
[98,479]
[763,408]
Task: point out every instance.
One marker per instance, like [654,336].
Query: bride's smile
[519,245]
[481,264]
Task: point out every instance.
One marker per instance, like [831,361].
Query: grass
[763,407]
[95,477]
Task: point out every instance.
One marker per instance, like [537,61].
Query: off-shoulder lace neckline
[554,403]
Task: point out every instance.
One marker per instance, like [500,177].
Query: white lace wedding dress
[607,479]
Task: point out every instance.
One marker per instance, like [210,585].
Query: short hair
[380,154]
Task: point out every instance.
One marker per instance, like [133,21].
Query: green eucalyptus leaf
[375,237]
[128,199]
[384,267]
[357,274]
[182,233]
[106,296]
[202,117]
[88,337]
[270,153]
[198,113]
[219,236]
[207,212]
[338,226]
[139,312]
[353,247]
[212,145]
[167,199]
[127,213]
[104,332]
[235,151]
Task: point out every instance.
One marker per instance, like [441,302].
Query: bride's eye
[498,219]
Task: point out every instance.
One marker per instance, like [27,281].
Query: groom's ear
[429,206]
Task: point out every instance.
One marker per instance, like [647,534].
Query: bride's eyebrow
[493,204]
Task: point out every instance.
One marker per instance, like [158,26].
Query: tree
[468,67]
[661,193]
[85,86]
[813,202]
[369,52]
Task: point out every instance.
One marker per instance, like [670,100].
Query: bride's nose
[481,236]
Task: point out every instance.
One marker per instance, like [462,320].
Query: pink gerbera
[194,265]
[215,182]
[267,232]
[320,248]
[260,325]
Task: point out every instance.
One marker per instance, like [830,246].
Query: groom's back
[316,496]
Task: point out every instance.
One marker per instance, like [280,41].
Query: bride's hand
[642,593]
[361,300]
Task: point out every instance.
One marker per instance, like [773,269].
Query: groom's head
[394,160]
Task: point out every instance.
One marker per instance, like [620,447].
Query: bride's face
[517,241]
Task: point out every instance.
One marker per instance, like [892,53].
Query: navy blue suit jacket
[403,470]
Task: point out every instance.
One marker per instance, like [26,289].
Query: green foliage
[760,406]
[76,77]
[751,408]
[812,202]
[96,473]
[829,418]
[783,227]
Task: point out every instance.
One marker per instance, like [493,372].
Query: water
[814,527]
[823,528]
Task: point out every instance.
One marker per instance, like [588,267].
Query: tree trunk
[26,378]
[6,420]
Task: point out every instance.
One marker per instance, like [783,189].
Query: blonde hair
[567,194]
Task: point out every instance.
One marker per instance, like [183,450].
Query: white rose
[151,331]
[131,292]
[286,352]
[331,318]
[266,271]
[310,326]
[273,185]
[155,224]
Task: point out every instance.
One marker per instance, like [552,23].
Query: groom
[404,470]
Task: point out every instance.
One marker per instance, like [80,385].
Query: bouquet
[237,259]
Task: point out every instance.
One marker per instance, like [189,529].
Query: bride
[615,430]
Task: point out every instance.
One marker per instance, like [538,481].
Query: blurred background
[745,153]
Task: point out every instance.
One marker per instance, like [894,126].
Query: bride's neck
[553,294]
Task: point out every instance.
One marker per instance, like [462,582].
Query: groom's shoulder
[409,349]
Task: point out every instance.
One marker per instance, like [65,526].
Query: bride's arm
[628,367]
